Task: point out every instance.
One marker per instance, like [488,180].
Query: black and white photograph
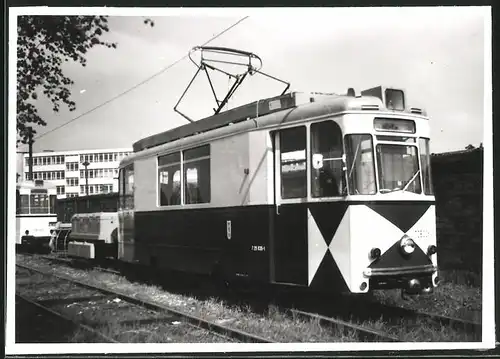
[194,180]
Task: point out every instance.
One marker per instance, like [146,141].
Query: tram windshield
[360,169]
[403,166]
[398,168]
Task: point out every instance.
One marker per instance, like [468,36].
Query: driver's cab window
[327,166]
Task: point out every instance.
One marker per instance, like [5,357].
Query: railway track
[362,333]
[364,310]
[365,334]
[46,309]
[142,313]
[396,312]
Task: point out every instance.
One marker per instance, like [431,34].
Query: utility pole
[85,164]
[30,160]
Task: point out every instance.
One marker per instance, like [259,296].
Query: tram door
[289,249]
[126,230]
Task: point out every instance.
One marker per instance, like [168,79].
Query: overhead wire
[138,84]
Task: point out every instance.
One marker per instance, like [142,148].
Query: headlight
[375,253]
[407,245]
[431,250]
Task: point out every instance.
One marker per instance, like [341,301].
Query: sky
[435,54]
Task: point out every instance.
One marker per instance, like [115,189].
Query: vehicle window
[425,161]
[293,163]
[129,187]
[169,177]
[39,203]
[327,176]
[360,169]
[52,203]
[196,164]
[398,168]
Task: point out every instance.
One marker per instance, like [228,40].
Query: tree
[44,43]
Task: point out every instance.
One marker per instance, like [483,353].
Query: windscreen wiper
[411,180]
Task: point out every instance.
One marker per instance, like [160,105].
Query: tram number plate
[228,230]
[258,248]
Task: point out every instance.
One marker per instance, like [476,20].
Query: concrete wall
[458,186]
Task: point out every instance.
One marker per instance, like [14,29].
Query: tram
[329,192]
[35,212]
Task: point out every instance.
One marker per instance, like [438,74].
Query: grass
[274,324]
[448,299]
[420,331]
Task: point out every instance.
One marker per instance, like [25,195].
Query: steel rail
[386,309]
[199,322]
[66,318]
[454,323]
[364,334]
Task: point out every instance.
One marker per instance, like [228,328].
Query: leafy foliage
[44,44]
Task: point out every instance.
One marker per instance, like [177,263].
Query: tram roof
[312,104]
[36,184]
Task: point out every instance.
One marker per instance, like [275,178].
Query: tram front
[391,219]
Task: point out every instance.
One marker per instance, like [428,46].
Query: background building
[66,170]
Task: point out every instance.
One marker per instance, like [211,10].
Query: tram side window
[129,187]
[327,176]
[293,163]
[121,179]
[425,160]
[360,165]
[169,176]
[197,175]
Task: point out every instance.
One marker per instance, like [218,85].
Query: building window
[197,175]
[72,181]
[72,166]
[60,189]
[293,162]
[169,175]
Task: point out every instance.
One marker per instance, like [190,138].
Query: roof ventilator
[416,110]
[248,61]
